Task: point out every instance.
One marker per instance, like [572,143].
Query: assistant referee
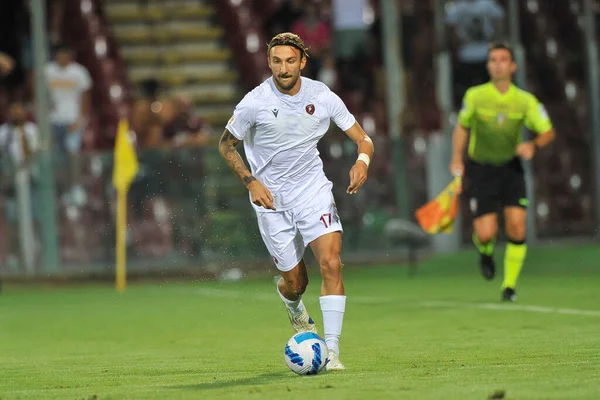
[494,115]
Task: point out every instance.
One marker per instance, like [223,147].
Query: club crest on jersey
[310,109]
[275,260]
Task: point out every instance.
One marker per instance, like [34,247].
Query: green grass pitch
[442,334]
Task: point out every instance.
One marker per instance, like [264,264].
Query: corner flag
[126,163]
[125,169]
[438,215]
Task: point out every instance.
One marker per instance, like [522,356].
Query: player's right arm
[244,117]
[261,196]
[461,134]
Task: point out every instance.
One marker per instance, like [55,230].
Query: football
[306,353]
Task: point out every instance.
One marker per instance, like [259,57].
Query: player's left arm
[537,120]
[359,172]
[345,121]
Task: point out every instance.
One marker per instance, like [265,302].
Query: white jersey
[280,134]
[13,140]
[66,88]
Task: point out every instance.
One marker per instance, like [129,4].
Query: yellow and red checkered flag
[438,215]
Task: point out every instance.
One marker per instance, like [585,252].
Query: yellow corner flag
[438,215]
[125,169]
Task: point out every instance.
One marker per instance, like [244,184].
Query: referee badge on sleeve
[543,112]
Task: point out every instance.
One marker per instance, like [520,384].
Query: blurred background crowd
[176,69]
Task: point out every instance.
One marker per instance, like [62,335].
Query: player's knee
[486,235]
[515,231]
[330,264]
[299,288]
[296,287]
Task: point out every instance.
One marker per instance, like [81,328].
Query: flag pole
[121,250]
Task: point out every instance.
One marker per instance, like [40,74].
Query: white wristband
[364,158]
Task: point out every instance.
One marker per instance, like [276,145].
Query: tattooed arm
[260,194]
[227,149]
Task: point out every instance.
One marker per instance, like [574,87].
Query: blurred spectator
[168,122]
[284,17]
[181,126]
[19,138]
[350,28]
[70,87]
[144,117]
[19,141]
[6,64]
[70,92]
[328,72]
[316,35]
[475,23]
[10,44]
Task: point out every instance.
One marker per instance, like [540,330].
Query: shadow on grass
[250,381]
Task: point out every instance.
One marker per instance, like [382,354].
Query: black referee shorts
[490,188]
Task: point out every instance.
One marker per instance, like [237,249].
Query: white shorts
[287,233]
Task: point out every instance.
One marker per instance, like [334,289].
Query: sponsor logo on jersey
[275,112]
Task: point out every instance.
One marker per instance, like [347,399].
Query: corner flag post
[125,169]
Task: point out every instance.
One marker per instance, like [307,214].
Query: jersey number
[326,219]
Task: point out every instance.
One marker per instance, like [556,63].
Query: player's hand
[525,150]
[358,177]
[457,167]
[261,196]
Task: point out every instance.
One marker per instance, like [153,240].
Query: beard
[287,84]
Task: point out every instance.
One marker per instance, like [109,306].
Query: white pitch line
[512,307]
[263,296]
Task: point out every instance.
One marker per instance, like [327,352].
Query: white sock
[295,306]
[333,308]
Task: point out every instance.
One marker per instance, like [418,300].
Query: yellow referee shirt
[496,121]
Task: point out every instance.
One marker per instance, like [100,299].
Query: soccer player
[280,123]
[495,113]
